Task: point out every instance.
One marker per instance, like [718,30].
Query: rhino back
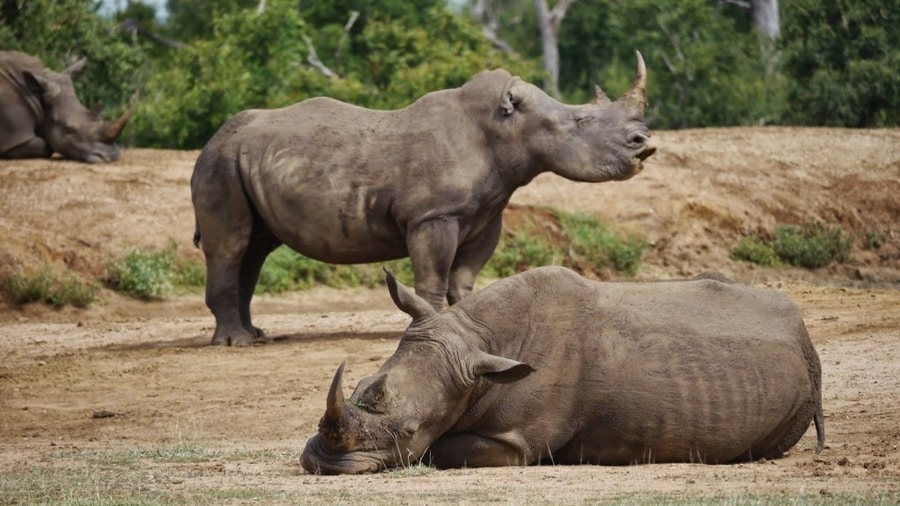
[630,372]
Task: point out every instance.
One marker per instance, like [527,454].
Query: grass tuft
[50,288]
[755,250]
[154,274]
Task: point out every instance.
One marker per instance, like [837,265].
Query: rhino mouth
[317,458]
[637,163]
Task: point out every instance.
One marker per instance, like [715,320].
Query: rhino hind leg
[259,248]
[223,298]
[470,259]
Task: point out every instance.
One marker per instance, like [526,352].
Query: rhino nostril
[638,139]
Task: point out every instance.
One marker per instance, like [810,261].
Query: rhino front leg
[466,449]
[432,247]
[36,147]
[471,258]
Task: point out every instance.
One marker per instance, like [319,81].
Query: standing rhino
[549,367]
[343,184]
[40,114]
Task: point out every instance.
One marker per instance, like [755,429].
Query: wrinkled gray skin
[343,184]
[40,114]
[549,367]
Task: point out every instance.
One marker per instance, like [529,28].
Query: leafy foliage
[812,245]
[45,286]
[842,59]
[259,60]
[154,274]
[594,243]
[705,68]
[754,249]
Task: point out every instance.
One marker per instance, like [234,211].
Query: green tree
[191,20]
[260,60]
[704,61]
[842,59]
[707,65]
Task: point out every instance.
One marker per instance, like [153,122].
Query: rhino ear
[513,93]
[405,299]
[500,369]
[39,84]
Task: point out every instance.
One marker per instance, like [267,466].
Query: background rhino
[547,366]
[343,184]
[40,114]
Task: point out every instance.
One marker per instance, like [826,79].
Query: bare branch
[340,46]
[313,59]
[483,13]
[559,12]
[261,7]
[134,27]
[743,4]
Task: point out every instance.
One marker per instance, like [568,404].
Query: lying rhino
[40,114]
[342,184]
[549,367]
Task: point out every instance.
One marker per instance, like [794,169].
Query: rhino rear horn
[600,98]
[114,129]
[334,407]
[637,95]
[73,69]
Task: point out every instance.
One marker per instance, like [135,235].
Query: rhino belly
[327,217]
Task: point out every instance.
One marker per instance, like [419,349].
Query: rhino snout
[318,458]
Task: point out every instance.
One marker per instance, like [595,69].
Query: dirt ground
[126,375]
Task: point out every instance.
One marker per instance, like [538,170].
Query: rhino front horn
[114,129]
[335,403]
[637,95]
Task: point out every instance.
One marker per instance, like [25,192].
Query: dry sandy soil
[124,389]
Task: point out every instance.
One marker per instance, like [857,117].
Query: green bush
[755,250]
[592,242]
[286,270]
[142,275]
[812,245]
[518,251]
[45,286]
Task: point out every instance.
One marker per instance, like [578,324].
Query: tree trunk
[765,17]
[548,22]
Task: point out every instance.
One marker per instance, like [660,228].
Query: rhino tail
[196,235]
[819,420]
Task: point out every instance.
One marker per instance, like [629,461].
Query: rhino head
[392,417]
[68,127]
[600,141]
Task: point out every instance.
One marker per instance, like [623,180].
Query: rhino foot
[240,337]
